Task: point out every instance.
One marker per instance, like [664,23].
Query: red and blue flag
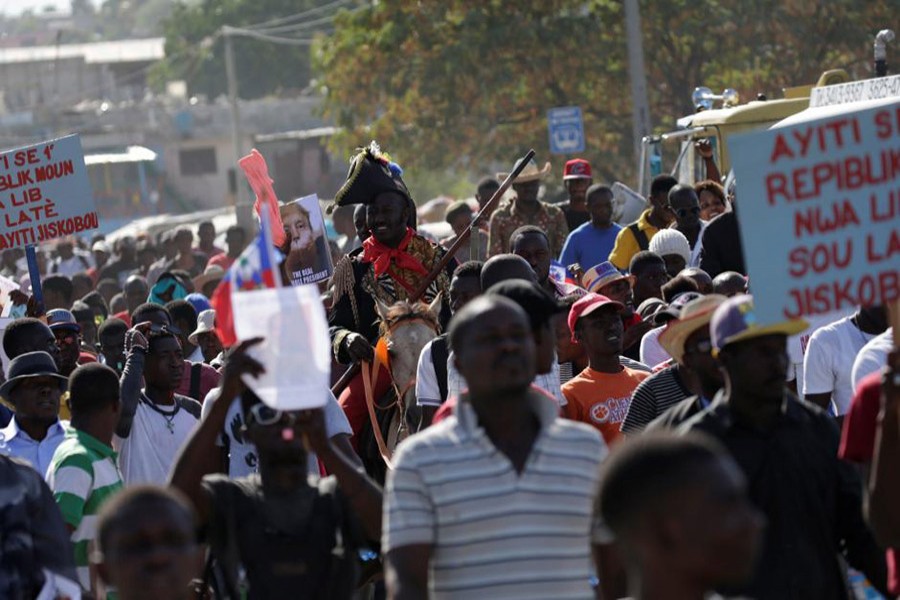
[256,268]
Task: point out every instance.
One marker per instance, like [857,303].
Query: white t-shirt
[698,247]
[828,364]
[196,356]
[78,263]
[873,356]
[242,458]
[796,344]
[148,453]
[549,382]
[428,393]
[652,352]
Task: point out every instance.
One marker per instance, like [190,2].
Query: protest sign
[309,257]
[44,193]
[7,285]
[819,210]
[4,359]
[296,349]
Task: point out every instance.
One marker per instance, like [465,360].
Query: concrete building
[55,77]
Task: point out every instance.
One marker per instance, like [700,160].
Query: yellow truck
[715,125]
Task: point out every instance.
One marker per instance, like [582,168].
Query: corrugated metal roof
[131,154]
[97,52]
[304,134]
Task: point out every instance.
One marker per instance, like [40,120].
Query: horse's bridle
[370,372]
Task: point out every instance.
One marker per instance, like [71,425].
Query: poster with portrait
[309,257]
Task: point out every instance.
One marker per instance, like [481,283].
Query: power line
[295,27]
[300,15]
[267,38]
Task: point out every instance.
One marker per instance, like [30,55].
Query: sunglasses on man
[66,336]
[683,212]
[266,415]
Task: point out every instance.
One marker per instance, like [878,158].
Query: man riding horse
[392,263]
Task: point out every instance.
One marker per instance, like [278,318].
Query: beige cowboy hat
[695,315]
[210,273]
[529,173]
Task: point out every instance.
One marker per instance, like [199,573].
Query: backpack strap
[194,390]
[190,405]
[440,354]
[639,236]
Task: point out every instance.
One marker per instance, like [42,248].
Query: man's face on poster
[298,228]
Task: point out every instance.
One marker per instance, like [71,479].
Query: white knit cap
[671,241]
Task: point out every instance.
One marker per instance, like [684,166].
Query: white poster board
[296,349]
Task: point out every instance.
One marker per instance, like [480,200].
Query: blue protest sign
[566,130]
[44,193]
[819,211]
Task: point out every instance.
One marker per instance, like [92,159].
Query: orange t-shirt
[601,399]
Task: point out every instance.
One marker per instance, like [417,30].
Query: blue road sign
[566,130]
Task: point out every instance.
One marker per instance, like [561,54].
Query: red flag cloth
[257,173]
[224,325]
[254,269]
[381,256]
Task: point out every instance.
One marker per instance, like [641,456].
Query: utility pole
[640,107]
[241,202]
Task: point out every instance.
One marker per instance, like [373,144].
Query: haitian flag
[256,268]
[560,274]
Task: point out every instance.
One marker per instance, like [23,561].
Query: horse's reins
[370,377]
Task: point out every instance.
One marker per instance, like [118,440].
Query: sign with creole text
[45,193]
[819,211]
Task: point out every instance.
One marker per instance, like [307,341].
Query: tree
[760,46]
[467,83]
[195,50]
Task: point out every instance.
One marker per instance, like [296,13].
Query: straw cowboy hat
[529,173]
[695,315]
[210,273]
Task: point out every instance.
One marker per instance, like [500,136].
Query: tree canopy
[467,83]
[195,51]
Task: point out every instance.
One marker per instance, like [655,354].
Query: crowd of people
[593,411]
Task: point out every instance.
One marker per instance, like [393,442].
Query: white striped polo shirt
[496,533]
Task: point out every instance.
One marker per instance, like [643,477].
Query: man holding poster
[287,530]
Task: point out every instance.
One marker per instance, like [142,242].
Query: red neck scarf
[382,256]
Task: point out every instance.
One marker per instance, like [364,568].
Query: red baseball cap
[588,304]
[577,168]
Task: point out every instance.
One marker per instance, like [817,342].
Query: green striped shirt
[83,475]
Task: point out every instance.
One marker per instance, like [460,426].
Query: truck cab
[716,125]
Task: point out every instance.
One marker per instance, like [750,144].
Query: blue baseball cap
[60,318]
[198,301]
[735,321]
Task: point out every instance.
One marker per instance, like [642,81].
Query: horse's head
[405,328]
